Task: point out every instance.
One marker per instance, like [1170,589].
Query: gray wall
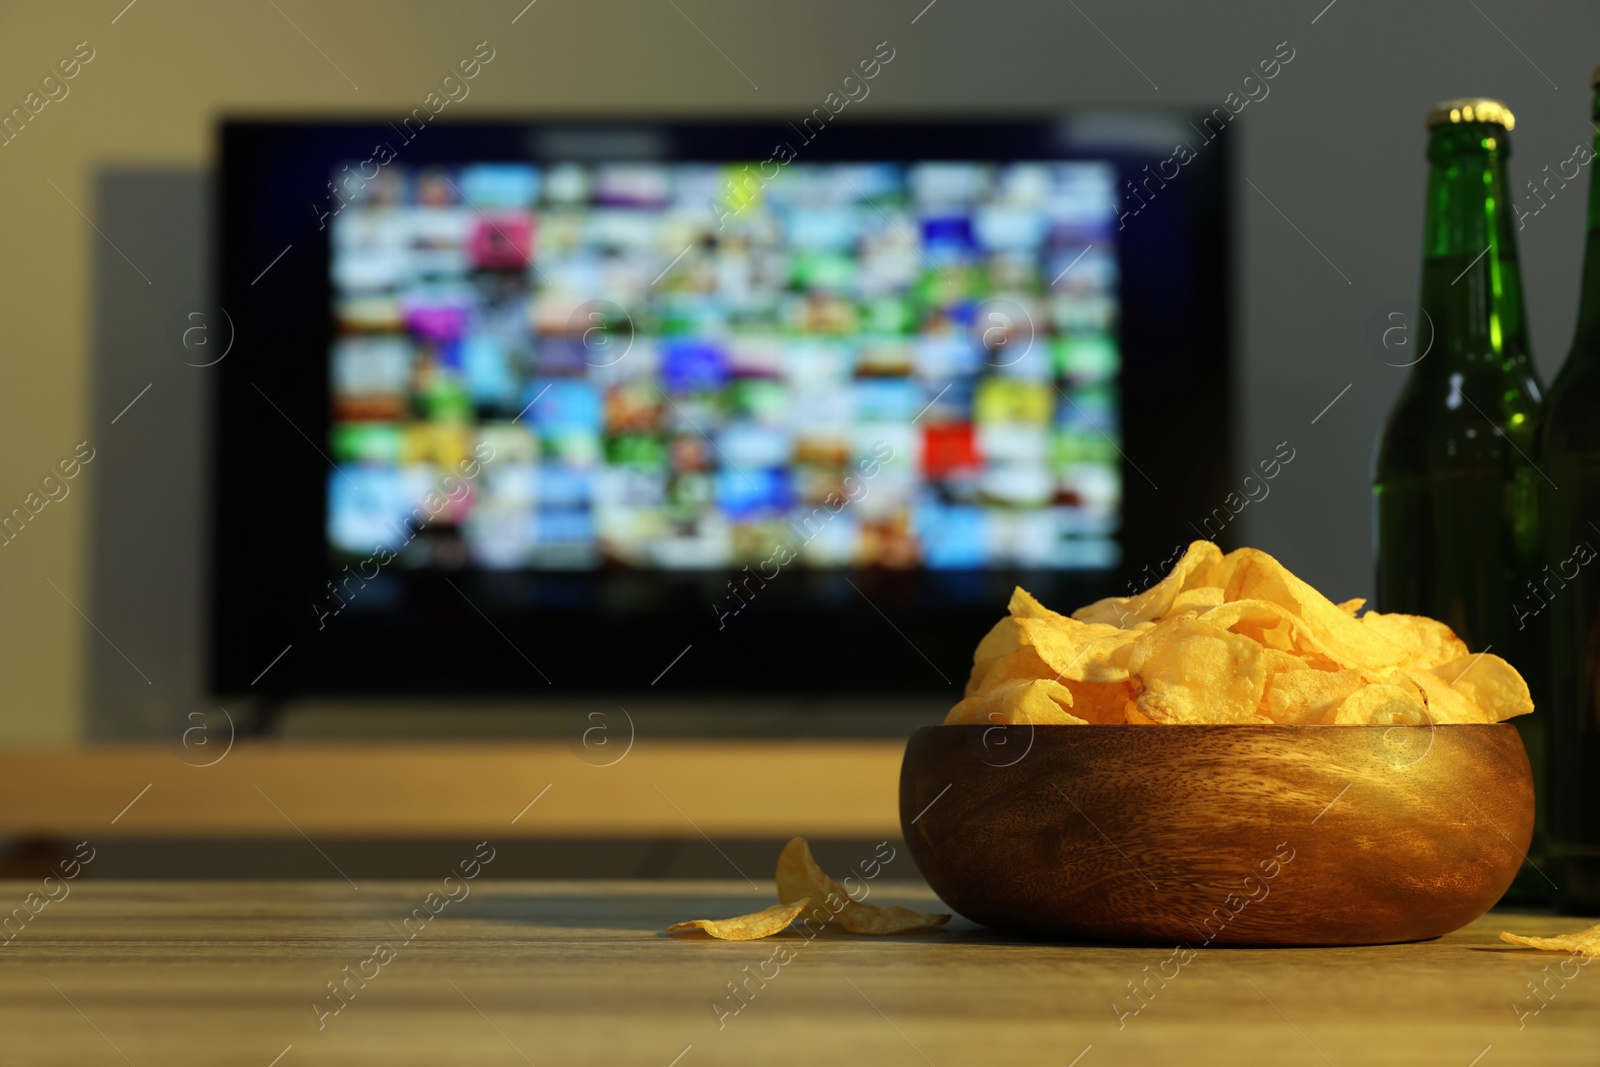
[1336,147]
[146,537]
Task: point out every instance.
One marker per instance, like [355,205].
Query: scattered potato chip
[1231,638]
[1584,942]
[888,919]
[800,883]
[763,923]
[799,878]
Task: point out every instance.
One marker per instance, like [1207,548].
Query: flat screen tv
[611,407]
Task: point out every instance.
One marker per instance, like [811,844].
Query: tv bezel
[813,632]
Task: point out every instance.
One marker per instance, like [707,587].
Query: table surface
[514,972]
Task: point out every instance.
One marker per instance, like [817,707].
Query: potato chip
[1189,671]
[1266,624]
[1023,606]
[1089,701]
[1039,701]
[1303,695]
[888,919]
[1381,705]
[1082,652]
[1489,682]
[1445,704]
[1005,637]
[1125,611]
[1230,638]
[1004,642]
[799,878]
[1001,640]
[1202,599]
[1584,942]
[1257,575]
[1277,660]
[1023,663]
[1274,626]
[1428,642]
[763,923]
[1297,660]
[1100,703]
[1137,717]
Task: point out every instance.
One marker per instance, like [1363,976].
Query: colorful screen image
[675,366]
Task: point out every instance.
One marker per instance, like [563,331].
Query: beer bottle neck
[1588,334]
[1471,283]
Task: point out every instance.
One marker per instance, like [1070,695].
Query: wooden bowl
[1230,835]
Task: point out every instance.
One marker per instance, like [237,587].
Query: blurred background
[1326,195]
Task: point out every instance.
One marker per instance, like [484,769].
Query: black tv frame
[810,632]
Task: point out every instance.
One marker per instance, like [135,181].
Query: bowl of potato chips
[1339,777]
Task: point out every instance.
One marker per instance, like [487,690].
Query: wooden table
[172,973]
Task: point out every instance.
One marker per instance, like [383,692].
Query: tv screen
[869,364]
[523,406]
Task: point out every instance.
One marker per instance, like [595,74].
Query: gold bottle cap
[1472,109]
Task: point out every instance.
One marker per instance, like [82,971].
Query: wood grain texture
[222,975]
[412,790]
[1301,835]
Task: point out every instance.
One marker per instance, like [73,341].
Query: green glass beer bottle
[1567,589]
[1455,485]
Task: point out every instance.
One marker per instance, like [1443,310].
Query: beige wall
[1337,147]
[159,77]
